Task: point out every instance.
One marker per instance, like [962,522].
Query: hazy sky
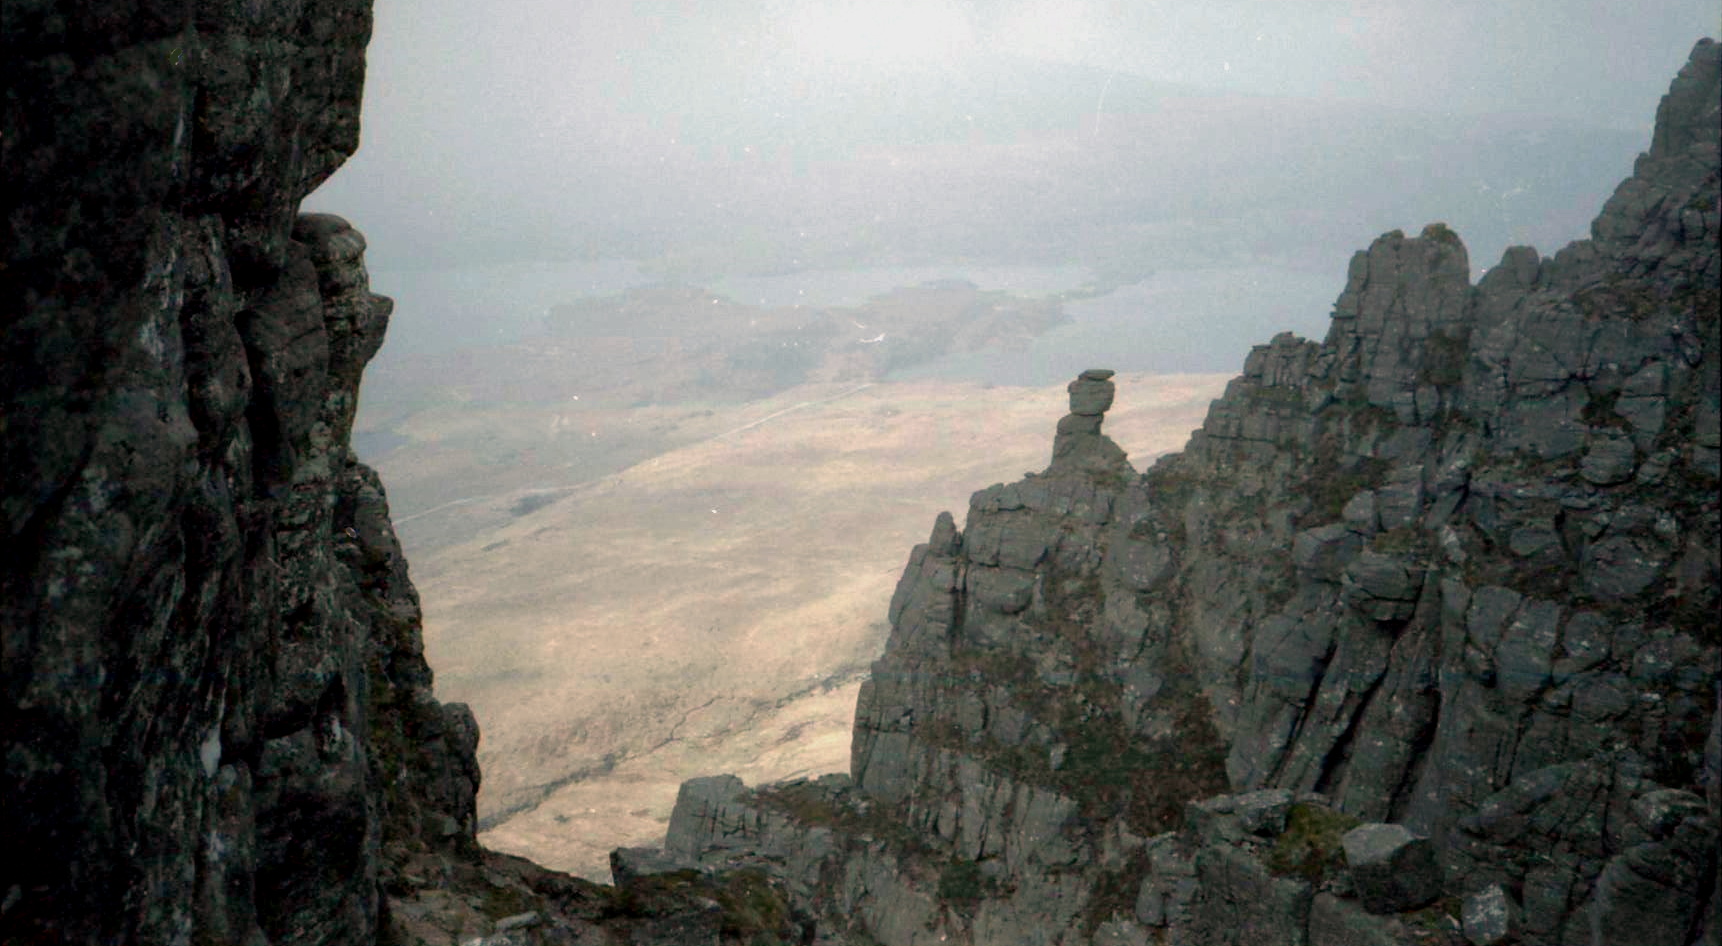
[1603,61]
[554,116]
[1600,60]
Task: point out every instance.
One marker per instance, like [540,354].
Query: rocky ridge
[1414,643]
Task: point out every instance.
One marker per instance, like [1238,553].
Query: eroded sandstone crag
[1414,643]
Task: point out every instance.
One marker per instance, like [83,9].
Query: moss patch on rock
[1309,848]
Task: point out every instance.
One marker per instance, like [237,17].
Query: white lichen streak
[209,753]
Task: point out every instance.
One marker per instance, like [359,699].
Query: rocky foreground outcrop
[1415,643]
[217,724]
[208,634]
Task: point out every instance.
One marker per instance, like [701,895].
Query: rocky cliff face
[1415,643]
[218,724]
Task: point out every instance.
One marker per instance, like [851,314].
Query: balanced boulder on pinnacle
[1080,447]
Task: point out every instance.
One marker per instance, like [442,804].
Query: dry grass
[658,616]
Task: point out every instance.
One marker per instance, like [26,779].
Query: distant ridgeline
[1419,631]
[1416,642]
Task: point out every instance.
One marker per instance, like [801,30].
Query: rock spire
[1414,642]
[1080,447]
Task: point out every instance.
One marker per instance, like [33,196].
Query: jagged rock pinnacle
[1091,393]
[1080,447]
[1455,565]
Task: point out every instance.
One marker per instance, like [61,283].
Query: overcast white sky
[552,115]
[1599,60]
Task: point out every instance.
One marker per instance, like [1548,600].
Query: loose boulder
[1392,869]
[1491,917]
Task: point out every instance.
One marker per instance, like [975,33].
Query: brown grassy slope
[659,617]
